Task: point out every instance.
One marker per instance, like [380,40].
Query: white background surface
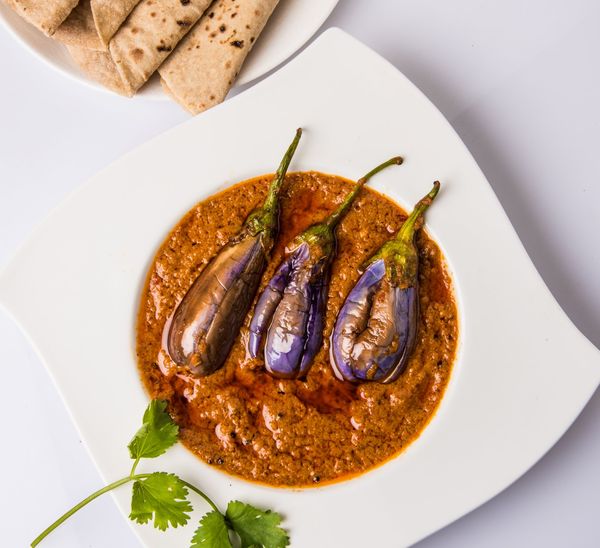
[521,84]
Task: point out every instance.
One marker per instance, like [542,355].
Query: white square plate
[523,371]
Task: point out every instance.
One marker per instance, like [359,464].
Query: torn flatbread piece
[79,29]
[150,34]
[46,15]
[109,15]
[99,66]
[201,71]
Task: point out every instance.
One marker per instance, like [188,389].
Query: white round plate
[292,24]
[523,371]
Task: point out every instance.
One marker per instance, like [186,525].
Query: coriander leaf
[255,527]
[163,497]
[157,434]
[212,532]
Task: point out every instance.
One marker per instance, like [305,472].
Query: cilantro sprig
[162,498]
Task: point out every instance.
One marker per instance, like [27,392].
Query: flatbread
[149,35]
[109,15]
[79,29]
[46,15]
[99,66]
[93,23]
[201,71]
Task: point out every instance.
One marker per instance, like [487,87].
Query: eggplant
[289,313]
[376,329]
[205,324]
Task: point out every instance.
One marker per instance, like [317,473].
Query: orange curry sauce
[296,432]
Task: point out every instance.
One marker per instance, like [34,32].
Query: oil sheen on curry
[315,429]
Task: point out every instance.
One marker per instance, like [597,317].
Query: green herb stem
[106,489]
[83,503]
[202,494]
[135,463]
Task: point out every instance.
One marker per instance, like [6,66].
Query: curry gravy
[292,432]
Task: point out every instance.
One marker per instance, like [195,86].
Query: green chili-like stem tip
[407,230]
[271,200]
[342,209]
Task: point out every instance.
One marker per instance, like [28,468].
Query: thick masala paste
[296,432]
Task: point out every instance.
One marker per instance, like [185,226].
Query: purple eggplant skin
[295,333]
[271,297]
[376,329]
[206,322]
[289,314]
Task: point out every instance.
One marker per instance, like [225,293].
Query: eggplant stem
[342,209]
[407,230]
[275,187]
